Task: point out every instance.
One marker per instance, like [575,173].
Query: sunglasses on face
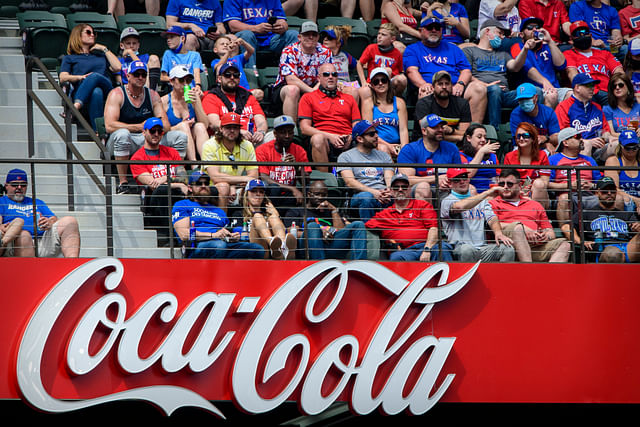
[383,81]
[370,133]
[139,75]
[631,147]
[332,74]
[18,184]
[433,27]
[230,75]
[609,191]
[507,184]
[89,33]
[186,80]
[156,131]
[201,184]
[524,135]
[619,85]
[532,27]
[399,188]
[581,33]
[460,178]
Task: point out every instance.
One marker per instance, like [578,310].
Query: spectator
[453,109]
[333,38]
[489,70]
[328,235]
[186,116]
[570,145]
[126,110]
[403,16]
[87,66]
[430,150]
[228,96]
[580,112]
[627,156]
[299,64]
[409,226]
[201,21]
[607,230]
[388,112]
[12,234]
[154,177]
[597,63]
[527,152]
[116,7]
[370,184]
[628,20]
[130,46]
[464,216]
[229,145]
[197,216]
[622,111]
[382,54]
[476,150]
[551,14]
[530,110]
[291,8]
[261,23]
[505,12]
[55,235]
[178,54]
[543,61]
[632,66]
[227,48]
[326,116]
[525,221]
[281,179]
[422,60]
[602,20]
[454,18]
[265,226]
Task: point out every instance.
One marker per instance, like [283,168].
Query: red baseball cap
[578,24]
[230,119]
[456,172]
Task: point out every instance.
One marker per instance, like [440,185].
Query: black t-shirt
[609,226]
[297,214]
[458,109]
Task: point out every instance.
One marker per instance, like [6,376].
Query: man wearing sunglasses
[600,64]
[607,230]
[525,221]
[552,14]
[55,235]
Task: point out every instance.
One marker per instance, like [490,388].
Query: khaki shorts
[539,253]
[48,244]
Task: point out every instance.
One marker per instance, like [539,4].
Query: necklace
[132,95]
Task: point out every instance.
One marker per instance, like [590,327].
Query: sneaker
[276,247]
[290,245]
[123,188]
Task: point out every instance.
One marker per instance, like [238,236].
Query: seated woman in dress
[88,66]
[186,116]
[476,150]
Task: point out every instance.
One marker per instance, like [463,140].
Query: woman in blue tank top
[627,180]
[387,112]
[188,117]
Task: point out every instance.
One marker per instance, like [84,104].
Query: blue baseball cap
[152,122]
[253,184]
[361,127]
[430,20]
[135,66]
[228,65]
[628,137]
[634,46]
[432,120]
[195,177]
[177,30]
[16,175]
[584,79]
[526,91]
[530,19]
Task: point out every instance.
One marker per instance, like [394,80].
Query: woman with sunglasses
[265,226]
[535,181]
[477,150]
[627,180]
[88,67]
[186,116]
[623,111]
[388,112]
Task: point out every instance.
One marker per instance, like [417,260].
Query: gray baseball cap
[308,26]
[283,121]
[129,31]
[567,133]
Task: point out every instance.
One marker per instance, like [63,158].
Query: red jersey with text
[157,171]
[599,64]
[408,227]
[281,174]
[329,114]
[372,58]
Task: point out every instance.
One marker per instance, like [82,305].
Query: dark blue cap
[16,175]
[584,79]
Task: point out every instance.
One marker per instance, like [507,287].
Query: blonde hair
[74,46]
[246,211]
[391,27]
[343,32]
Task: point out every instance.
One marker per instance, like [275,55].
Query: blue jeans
[366,204]
[412,253]
[92,92]
[352,237]
[221,249]
[276,44]
[497,99]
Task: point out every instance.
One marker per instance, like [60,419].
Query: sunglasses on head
[507,184]
[332,74]
[231,75]
[523,135]
[382,80]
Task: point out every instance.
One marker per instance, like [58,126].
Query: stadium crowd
[442,79]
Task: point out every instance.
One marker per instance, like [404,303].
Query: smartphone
[272,20]
[212,29]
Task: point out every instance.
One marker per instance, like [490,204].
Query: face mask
[461,196]
[495,42]
[527,105]
[177,49]
[582,43]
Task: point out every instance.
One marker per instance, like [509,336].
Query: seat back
[44,35]
[104,25]
[150,29]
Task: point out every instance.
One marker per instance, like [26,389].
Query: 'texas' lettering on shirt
[256,13]
[436,58]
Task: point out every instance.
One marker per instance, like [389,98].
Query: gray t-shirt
[467,227]
[488,65]
[370,176]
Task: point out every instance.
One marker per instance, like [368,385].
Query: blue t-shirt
[79,65]
[191,60]
[239,61]
[253,12]
[600,20]
[546,121]
[10,210]
[203,13]
[416,152]
[483,177]
[127,61]
[206,218]
[619,118]
[542,61]
[429,60]
[449,33]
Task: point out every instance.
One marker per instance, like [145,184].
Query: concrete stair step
[11,62]
[16,80]
[98,220]
[13,96]
[15,114]
[124,239]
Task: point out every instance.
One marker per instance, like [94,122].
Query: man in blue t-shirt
[604,24]
[262,23]
[55,235]
[530,110]
[201,225]
[201,20]
[432,150]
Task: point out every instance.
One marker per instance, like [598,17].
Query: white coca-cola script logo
[310,374]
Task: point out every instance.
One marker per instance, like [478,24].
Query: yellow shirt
[244,152]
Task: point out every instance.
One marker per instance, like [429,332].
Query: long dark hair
[630,99]
[467,148]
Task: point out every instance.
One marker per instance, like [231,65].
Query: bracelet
[199,84]
[335,211]
[105,50]
[461,83]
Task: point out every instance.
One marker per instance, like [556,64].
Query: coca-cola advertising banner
[386,337]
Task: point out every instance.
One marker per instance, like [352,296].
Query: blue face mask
[495,42]
[527,105]
[461,196]
[177,49]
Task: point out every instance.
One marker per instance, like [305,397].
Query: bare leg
[347,7]
[224,190]
[367,9]
[476,94]
[291,7]
[11,232]
[311,10]
[290,96]
[633,249]
[191,146]
[539,192]
[320,151]
[520,243]
[69,236]
[422,191]
[201,136]
[152,7]
[23,245]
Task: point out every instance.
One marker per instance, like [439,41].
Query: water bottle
[255,71]
[293,230]
[244,235]
[186,90]
[599,240]
[192,234]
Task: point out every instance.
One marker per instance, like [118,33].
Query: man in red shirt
[327,116]
[552,12]
[526,223]
[630,21]
[281,179]
[410,226]
[230,97]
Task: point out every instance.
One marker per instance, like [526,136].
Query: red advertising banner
[391,337]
